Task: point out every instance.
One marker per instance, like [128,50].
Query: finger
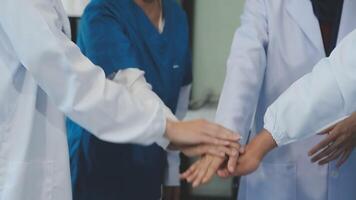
[323,153]
[212,169]
[227,151]
[222,133]
[191,169]
[235,145]
[344,157]
[193,175]
[203,169]
[324,143]
[327,130]
[232,162]
[220,151]
[333,156]
[223,173]
[211,140]
[242,150]
[203,149]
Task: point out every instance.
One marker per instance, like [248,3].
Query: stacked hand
[339,143]
[244,162]
[200,137]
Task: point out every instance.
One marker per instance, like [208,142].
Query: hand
[216,150]
[247,163]
[339,143]
[255,151]
[171,193]
[199,132]
[203,170]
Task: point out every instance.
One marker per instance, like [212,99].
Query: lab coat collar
[302,13]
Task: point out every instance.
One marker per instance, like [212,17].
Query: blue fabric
[116,34]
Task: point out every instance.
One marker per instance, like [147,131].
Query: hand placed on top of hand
[203,170]
[201,137]
[249,160]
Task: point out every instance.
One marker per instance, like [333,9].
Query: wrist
[169,129]
[262,144]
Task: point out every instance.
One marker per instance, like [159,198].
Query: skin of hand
[171,193]
[199,133]
[207,149]
[204,169]
[338,144]
[254,153]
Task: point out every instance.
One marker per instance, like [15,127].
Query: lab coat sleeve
[183,102]
[245,70]
[72,82]
[318,99]
[173,159]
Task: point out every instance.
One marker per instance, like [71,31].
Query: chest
[294,33]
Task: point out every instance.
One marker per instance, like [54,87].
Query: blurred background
[212,25]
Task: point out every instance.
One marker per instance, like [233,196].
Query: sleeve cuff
[270,124]
[162,142]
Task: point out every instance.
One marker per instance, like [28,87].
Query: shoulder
[97,8]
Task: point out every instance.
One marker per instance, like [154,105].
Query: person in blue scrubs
[151,35]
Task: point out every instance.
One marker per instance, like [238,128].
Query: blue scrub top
[116,34]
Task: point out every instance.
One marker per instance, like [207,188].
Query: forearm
[76,86]
[317,100]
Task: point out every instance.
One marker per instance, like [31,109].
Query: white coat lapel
[348,22]
[301,11]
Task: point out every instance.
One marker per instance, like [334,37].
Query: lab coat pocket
[28,180]
[272,182]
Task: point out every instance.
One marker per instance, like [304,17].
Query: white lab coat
[75,8]
[43,76]
[278,42]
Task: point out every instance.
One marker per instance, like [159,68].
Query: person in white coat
[325,97]
[44,76]
[325,101]
[278,42]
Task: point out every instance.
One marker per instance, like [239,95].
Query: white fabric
[43,76]
[278,42]
[324,96]
[183,102]
[172,171]
[75,8]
